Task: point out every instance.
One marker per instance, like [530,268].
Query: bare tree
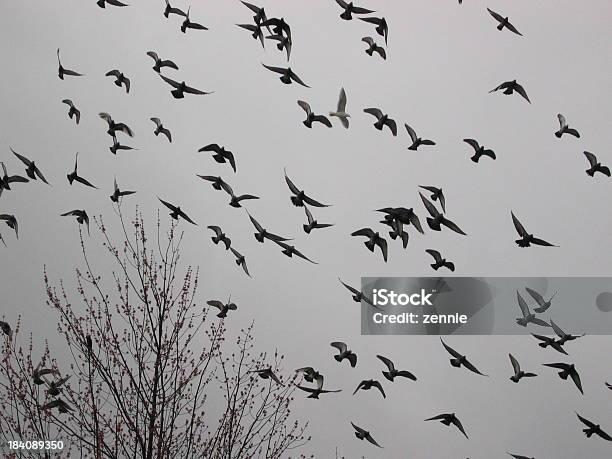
[147,372]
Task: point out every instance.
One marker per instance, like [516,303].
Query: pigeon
[171,10]
[546,341]
[181,88]
[240,261]
[315,392]
[267,373]
[160,63]
[223,308]
[311,117]
[262,234]
[120,79]
[437,219]
[596,166]
[518,456]
[447,419]
[527,239]
[518,373]
[350,9]
[374,48]
[510,87]
[235,200]
[458,360]
[290,250]
[340,112]
[188,24]
[397,230]
[361,433]
[256,32]
[374,239]
[287,75]
[221,155]
[279,26]
[382,120]
[368,384]
[563,337]
[103,3]
[39,372]
[405,216]
[358,296]
[381,26]
[61,71]
[416,141]
[344,353]
[217,182]
[312,223]
[73,112]
[503,22]
[567,369]
[220,236]
[6,328]
[61,406]
[392,373]
[564,128]
[440,262]
[81,217]
[32,171]
[74,176]
[6,180]
[55,387]
[299,197]
[160,129]
[114,127]
[117,146]
[543,305]
[436,195]
[593,428]
[311,375]
[11,222]
[176,212]
[260,13]
[284,43]
[118,194]
[479,150]
[528,316]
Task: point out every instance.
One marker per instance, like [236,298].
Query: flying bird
[217,182]
[290,250]
[61,71]
[223,308]
[344,353]
[458,360]
[528,316]
[188,24]
[519,456]
[340,112]
[114,127]
[397,230]
[546,341]
[596,166]
[287,75]
[55,387]
[392,373]
[416,140]
[510,87]
[382,120]
[11,222]
[503,22]
[220,236]
[374,48]
[160,129]
[235,200]
[118,194]
[350,9]
[440,262]
[117,146]
[160,63]
[358,296]
[176,212]
[314,392]
[368,384]
[479,150]
[360,433]
[312,223]
[103,3]
[406,216]
[262,234]
[299,197]
[58,403]
[81,217]
[311,375]
[240,261]
[593,428]
[381,26]
[526,238]
[518,373]
[543,304]
[279,26]
[74,176]
[221,155]
[6,180]
[374,239]
[256,32]
[311,117]
[32,170]
[73,112]
[436,195]
[284,43]
[437,219]
[564,128]
[120,79]
[567,369]
[260,13]
[563,337]
[171,10]
[447,419]
[181,88]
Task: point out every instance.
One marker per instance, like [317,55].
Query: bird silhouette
[223,308]
[74,176]
[368,384]
[61,71]
[300,197]
[311,375]
[120,79]
[519,456]
[564,128]
[316,392]
[403,215]
[256,32]
[596,166]
[381,26]
[221,155]
[171,10]
[284,43]
[60,404]
[54,388]
[437,220]
[510,87]
[447,419]
[397,231]
[312,223]
[436,195]
[118,146]
[180,89]
[382,120]
[260,13]
[416,140]
[290,250]
[161,63]
[358,296]
[73,112]
[176,212]
[103,3]
[189,24]
[81,217]
[360,433]
[267,373]
[220,236]
[160,129]
[459,360]
[503,22]
[118,194]
[543,305]
[528,316]
[518,373]
[287,75]
[373,47]
[114,127]
[11,222]
[593,428]
[262,234]
[392,373]
[279,26]
[344,353]
[311,117]
[241,261]
[235,200]
[350,9]
[6,180]
[374,239]
[440,262]
[340,112]
[567,369]
[563,337]
[32,171]
[546,341]
[479,151]
[526,238]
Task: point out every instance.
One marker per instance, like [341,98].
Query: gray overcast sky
[442,61]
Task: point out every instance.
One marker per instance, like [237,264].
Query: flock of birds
[396,220]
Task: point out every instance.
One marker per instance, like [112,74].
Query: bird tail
[543,345]
[455,362]
[588,432]
[500,26]
[558,134]
[387,375]
[296,202]
[590,172]
[178,94]
[338,358]
[564,374]
[307,228]
[514,378]
[259,237]
[370,245]
[433,224]
[522,322]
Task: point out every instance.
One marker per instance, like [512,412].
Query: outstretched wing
[429,206]
[305,106]
[498,17]
[291,185]
[515,365]
[342,101]
[374,111]
[367,232]
[518,226]
[435,254]
[387,362]
[450,350]
[411,132]
[522,304]
[339,345]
